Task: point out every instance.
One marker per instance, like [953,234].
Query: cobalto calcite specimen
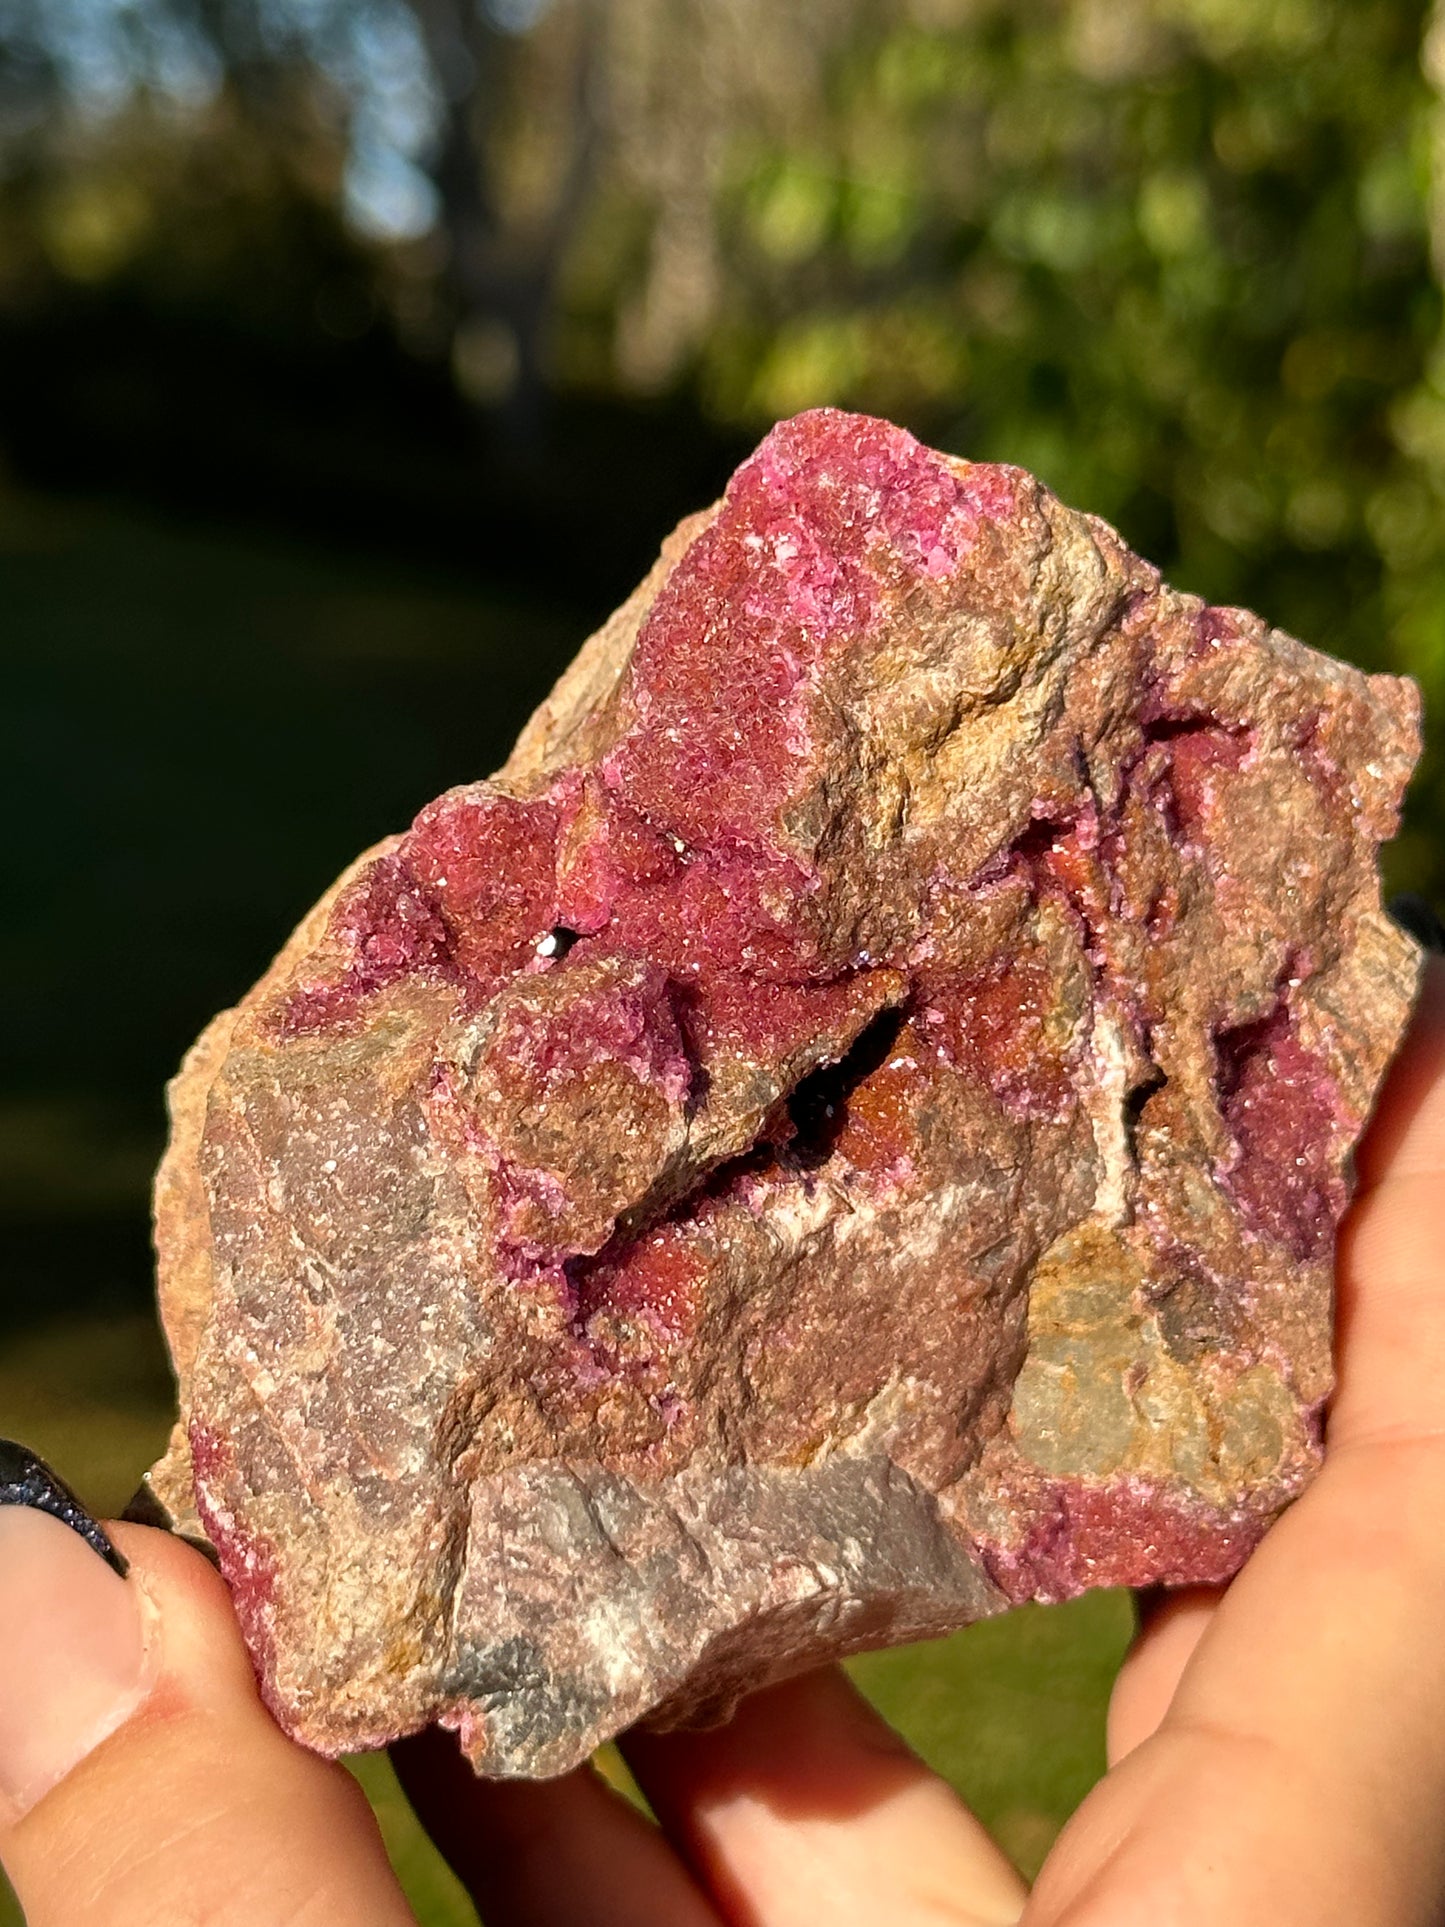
[843,1133]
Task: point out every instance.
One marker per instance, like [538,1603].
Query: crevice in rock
[818,1106]
[1237,1047]
[1037,840]
[1134,1101]
[1167,729]
[807,1126]
[587,1275]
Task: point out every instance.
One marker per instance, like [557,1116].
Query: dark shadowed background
[355,355]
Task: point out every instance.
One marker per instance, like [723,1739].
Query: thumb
[141,1778]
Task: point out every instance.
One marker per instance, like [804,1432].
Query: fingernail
[73,1660]
[25,1479]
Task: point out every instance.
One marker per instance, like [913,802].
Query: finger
[1391,1302]
[1171,1628]
[807,1807]
[1405,1142]
[1299,1772]
[547,1854]
[1407,1132]
[141,1779]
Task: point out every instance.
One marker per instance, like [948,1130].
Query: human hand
[1277,1747]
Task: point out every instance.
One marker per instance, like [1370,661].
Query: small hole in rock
[556,943]
[1239,1048]
[1165,729]
[1200,729]
[1038,839]
[1134,1103]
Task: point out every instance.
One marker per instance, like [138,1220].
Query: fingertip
[1171,1627]
[527,1850]
[169,1561]
[807,1805]
[808,1748]
[177,1797]
[1407,1127]
[202,1644]
[77,1654]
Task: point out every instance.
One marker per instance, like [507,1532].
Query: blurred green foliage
[1174,255]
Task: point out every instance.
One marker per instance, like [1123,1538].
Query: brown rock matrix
[844,1132]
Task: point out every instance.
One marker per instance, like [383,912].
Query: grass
[1012,1712]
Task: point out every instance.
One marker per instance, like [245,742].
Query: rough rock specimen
[844,1132]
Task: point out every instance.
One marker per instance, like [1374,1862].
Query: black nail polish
[27,1480]
[1420,918]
